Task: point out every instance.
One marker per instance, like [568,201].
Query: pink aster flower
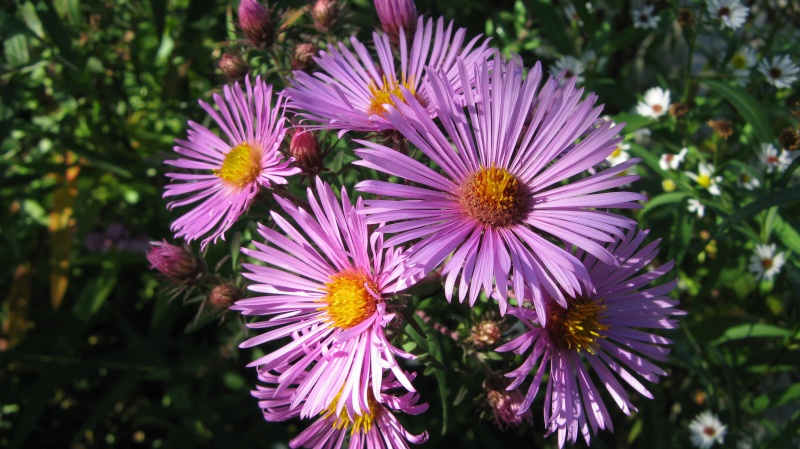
[496,205]
[228,173]
[326,287]
[605,329]
[376,427]
[351,92]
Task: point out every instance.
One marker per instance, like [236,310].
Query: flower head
[671,161]
[732,13]
[304,148]
[325,13]
[747,181]
[706,179]
[375,427]
[396,15]
[696,207]
[741,62]
[655,103]
[495,203]
[644,18]
[780,71]
[352,92]
[567,67]
[327,287]
[773,159]
[706,430]
[764,263]
[229,173]
[505,405]
[603,329]
[619,155]
[233,66]
[178,263]
[256,22]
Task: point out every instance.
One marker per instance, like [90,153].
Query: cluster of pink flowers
[506,200]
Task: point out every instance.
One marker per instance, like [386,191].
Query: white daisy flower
[672,161]
[774,160]
[780,71]
[642,136]
[706,430]
[571,67]
[764,263]
[732,13]
[644,17]
[590,59]
[696,207]
[655,103]
[619,155]
[746,181]
[742,61]
[705,178]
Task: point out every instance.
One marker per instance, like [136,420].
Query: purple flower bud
[233,66]
[177,263]
[303,57]
[396,15]
[256,22]
[305,150]
[325,13]
[505,405]
[224,295]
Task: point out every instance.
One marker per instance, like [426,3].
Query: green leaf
[787,234]
[663,199]
[552,26]
[95,293]
[752,330]
[771,199]
[750,110]
[16,50]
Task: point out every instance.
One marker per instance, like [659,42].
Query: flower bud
[505,405]
[256,22]
[233,66]
[224,295]
[177,263]
[487,333]
[303,57]
[324,13]
[305,150]
[397,15]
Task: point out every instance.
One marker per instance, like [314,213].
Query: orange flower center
[383,95]
[361,424]
[494,197]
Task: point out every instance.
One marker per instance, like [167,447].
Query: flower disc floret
[350,299]
[577,327]
[384,94]
[241,165]
[494,197]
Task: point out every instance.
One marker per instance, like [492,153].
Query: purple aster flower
[376,427]
[603,328]
[327,288]
[397,15]
[352,90]
[230,172]
[498,202]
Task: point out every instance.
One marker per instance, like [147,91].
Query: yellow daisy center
[361,424]
[383,95]
[704,180]
[348,302]
[241,166]
[739,61]
[494,197]
[616,152]
[577,327]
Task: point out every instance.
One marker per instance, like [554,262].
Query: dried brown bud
[224,295]
[789,139]
[233,66]
[487,333]
[256,22]
[678,110]
[304,147]
[325,13]
[303,57]
[685,17]
[723,128]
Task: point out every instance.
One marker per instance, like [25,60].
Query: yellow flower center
[704,180]
[241,166]
[739,61]
[348,302]
[616,152]
[577,327]
[383,95]
[494,197]
[361,424]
